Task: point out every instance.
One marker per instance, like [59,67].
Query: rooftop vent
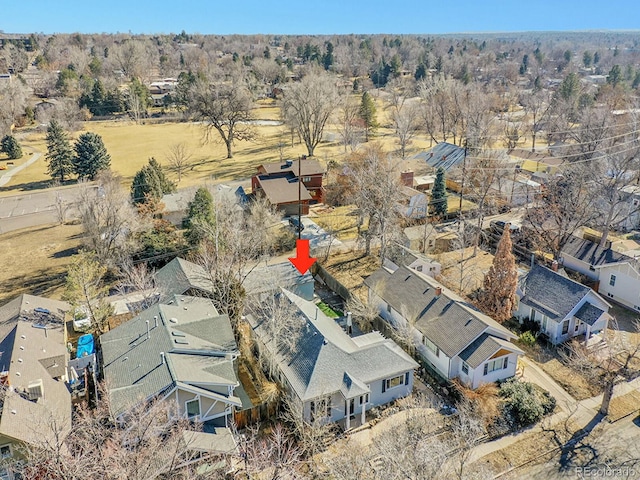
[173,320]
[35,390]
[438,291]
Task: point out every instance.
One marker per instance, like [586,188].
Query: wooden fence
[256,414]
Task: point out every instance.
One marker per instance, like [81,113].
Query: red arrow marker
[302,261]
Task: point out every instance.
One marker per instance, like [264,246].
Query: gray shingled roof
[445,155]
[179,276]
[270,277]
[589,313]
[484,347]
[591,253]
[551,293]
[447,320]
[326,360]
[32,349]
[191,333]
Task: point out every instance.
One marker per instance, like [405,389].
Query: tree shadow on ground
[67,252]
[579,450]
[42,282]
[27,187]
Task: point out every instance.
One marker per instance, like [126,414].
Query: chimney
[162,360]
[349,324]
[148,334]
[406,178]
[438,291]
[554,265]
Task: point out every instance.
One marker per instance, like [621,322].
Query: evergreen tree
[498,298]
[615,75]
[59,152]
[327,58]
[439,205]
[200,215]
[11,147]
[91,156]
[368,114]
[150,182]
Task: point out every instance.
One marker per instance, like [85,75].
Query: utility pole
[299,197]
[464,174]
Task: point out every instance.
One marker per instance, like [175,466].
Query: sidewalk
[4,179]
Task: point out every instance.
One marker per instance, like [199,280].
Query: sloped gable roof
[551,293]
[326,360]
[591,253]
[132,360]
[447,320]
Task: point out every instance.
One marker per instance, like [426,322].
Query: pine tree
[91,156]
[200,214]
[439,205]
[150,182]
[59,152]
[368,114]
[498,298]
[11,147]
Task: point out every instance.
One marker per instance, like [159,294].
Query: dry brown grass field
[131,145]
[34,260]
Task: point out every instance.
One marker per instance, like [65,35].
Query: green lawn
[328,311]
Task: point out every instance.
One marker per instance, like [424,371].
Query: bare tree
[108,218]
[224,107]
[537,106]
[179,158]
[375,186]
[274,456]
[140,280]
[13,100]
[617,361]
[405,122]
[147,443]
[565,205]
[351,124]
[307,106]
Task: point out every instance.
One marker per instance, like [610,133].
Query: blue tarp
[85,346]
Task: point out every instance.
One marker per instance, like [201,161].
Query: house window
[364,399]
[576,327]
[431,346]
[306,179]
[465,368]
[612,280]
[497,364]
[565,327]
[193,408]
[390,383]
[5,451]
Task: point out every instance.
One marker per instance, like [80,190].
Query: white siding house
[563,307]
[454,338]
[331,376]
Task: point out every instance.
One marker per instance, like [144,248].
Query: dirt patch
[624,405]
[34,260]
[351,268]
[528,449]
[462,271]
[575,383]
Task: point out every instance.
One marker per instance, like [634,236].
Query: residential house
[160,89]
[413,204]
[180,350]
[445,155]
[454,339]
[617,275]
[330,375]
[182,277]
[399,255]
[535,161]
[428,238]
[278,182]
[36,402]
[563,307]
[631,212]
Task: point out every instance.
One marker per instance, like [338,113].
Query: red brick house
[278,182]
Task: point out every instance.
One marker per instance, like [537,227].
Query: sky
[315,17]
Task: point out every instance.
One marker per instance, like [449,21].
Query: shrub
[527,338]
[524,403]
[530,326]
